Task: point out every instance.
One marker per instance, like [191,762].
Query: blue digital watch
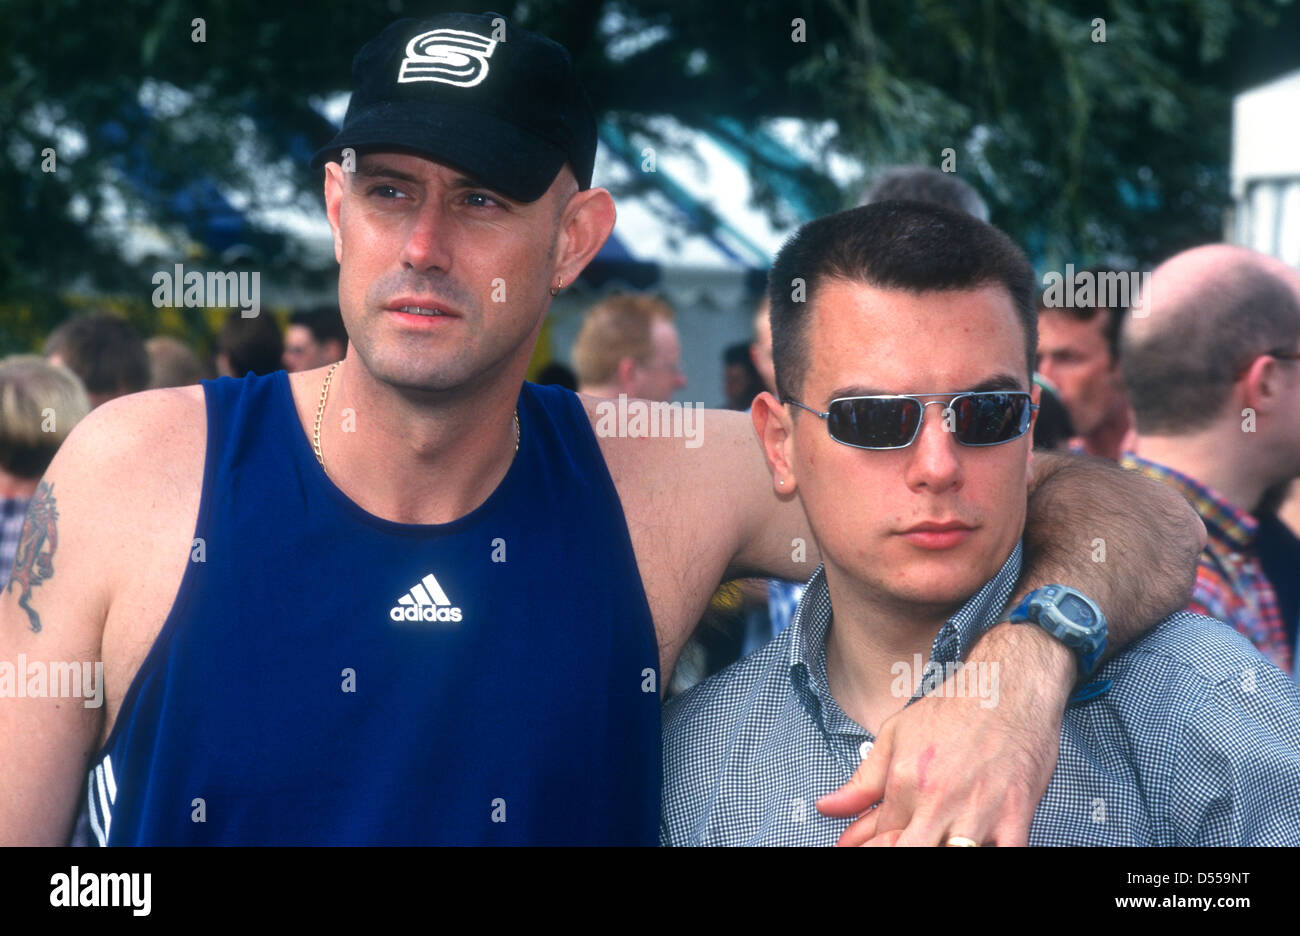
[1071,617]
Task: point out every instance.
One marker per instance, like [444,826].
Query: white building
[1266,169]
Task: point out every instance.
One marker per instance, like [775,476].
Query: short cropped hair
[1179,377]
[617,327]
[105,351]
[902,245]
[40,402]
[926,184]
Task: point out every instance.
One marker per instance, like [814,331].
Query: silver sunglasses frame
[920,423]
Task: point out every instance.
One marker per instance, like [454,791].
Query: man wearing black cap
[410,598]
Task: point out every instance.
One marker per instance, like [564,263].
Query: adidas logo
[426,601]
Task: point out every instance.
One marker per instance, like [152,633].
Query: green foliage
[1085,150]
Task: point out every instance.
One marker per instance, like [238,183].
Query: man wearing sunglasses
[439,601]
[903,428]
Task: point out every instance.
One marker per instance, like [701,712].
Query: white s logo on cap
[451,56]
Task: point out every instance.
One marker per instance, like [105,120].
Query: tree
[1086,150]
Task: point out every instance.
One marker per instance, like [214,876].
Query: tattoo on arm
[33,562]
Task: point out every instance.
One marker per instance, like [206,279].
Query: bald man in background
[1213,375]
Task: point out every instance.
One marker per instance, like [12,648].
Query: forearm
[1129,543]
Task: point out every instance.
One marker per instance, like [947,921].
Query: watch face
[1077,610]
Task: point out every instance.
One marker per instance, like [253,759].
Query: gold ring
[961,841]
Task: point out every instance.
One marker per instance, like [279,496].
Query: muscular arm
[93,526]
[51,617]
[1124,540]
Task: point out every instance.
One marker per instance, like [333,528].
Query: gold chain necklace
[320,412]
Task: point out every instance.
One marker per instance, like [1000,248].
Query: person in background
[628,344]
[1279,556]
[1213,373]
[1078,351]
[172,363]
[1288,507]
[1279,520]
[104,351]
[740,380]
[925,184]
[760,349]
[314,338]
[1052,429]
[249,346]
[40,402]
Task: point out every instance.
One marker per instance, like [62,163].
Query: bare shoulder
[700,464]
[641,440]
[688,478]
[139,424]
[103,547]
[126,479]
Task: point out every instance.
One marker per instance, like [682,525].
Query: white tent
[709,277]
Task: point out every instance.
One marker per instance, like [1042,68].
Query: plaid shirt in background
[13,510]
[1230,582]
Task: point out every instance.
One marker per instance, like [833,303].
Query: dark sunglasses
[890,422]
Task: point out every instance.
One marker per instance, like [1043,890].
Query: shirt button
[864,749]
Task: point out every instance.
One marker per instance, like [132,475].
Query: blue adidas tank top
[326,676]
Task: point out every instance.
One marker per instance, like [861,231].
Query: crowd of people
[1204,360]
[96,357]
[1090,401]
[410,475]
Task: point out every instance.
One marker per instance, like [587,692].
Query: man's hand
[948,766]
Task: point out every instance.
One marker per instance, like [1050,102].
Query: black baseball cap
[474,92]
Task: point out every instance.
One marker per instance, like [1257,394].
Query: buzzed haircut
[615,328]
[1180,370]
[40,402]
[324,322]
[1084,313]
[926,184]
[105,351]
[900,245]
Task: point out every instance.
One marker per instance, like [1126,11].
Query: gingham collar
[812,621]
